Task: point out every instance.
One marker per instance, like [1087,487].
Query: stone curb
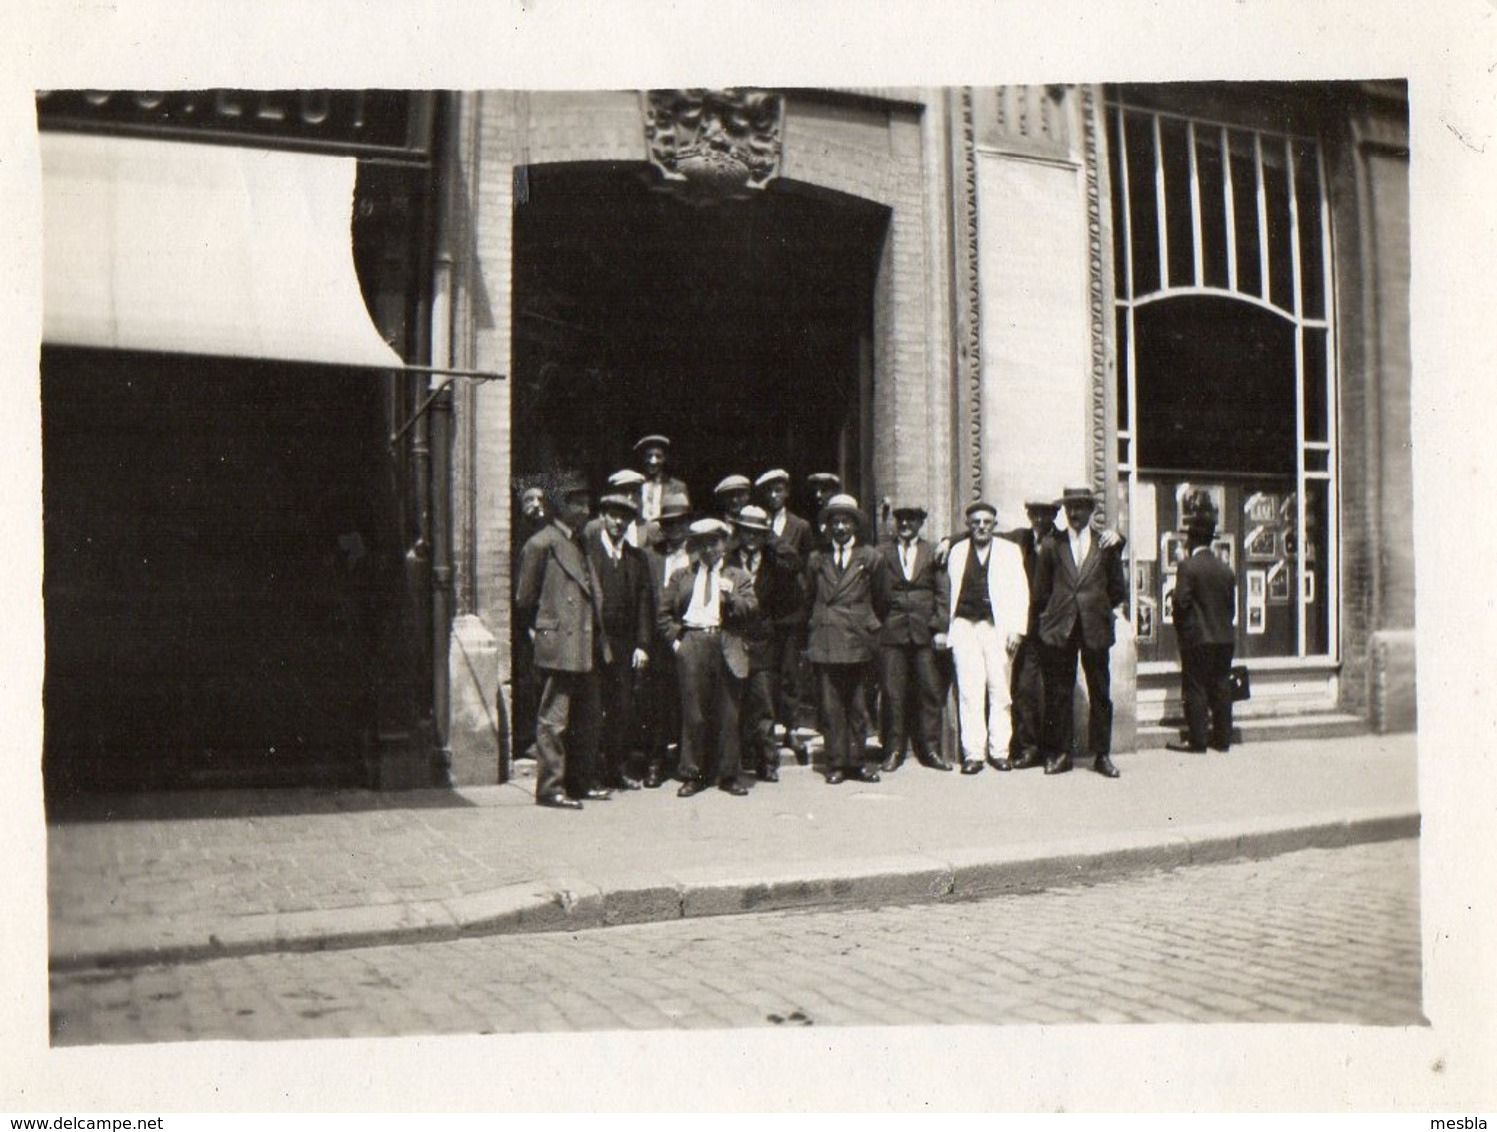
[573,904]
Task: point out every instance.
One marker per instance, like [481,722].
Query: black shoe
[733,786]
[596,794]
[1103,766]
[654,777]
[1000,764]
[971,766]
[1185,748]
[769,774]
[1059,764]
[691,786]
[797,746]
[835,776]
[864,774]
[558,801]
[1223,748]
[1026,760]
[627,782]
[892,763]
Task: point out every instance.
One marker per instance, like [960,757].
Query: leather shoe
[1059,764]
[769,774]
[691,786]
[654,777]
[1000,764]
[971,766]
[797,746]
[1223,749]
[558,802]
[933,762]
[835,777]
[892,763]
[864,774]
[734,787]
[597,794]
[1025,761]
[1103,766]
[1185,748]
[627,782]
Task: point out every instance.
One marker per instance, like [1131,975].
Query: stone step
[1319,725]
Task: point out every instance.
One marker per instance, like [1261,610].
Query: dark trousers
[844,713]
[711,697]
[760,696]
[1027,689]
[658,707]
[912,707]
[1060,684]
[566,733]
[1205,688]
[616,727]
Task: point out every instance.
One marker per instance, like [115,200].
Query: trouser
[566,733]
[979,654]
[711,697]
[1060,685]
[658,707]
[616,726]
[1028,694]
[760,694]
[790,692]
[1206,690]
[844,713]
[897,664]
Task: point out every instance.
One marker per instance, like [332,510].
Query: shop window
[1225,371]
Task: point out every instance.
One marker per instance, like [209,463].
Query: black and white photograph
[601,566]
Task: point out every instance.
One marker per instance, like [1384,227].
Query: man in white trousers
[989,603]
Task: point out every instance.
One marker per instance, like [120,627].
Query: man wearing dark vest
[628,623]
[913,629]
[1205,599]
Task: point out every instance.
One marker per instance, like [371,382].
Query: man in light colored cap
[1078,587]
[849,590]
[776,579]
[786,526]
[732,494]
[988,608]
[795,534]
[652,452]
[913,630]
[660,704]
[701,614]
[823,486]
[628,611]
[626,482]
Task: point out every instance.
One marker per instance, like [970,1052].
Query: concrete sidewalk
[165,878]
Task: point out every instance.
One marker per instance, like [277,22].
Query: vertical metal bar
[1197,262]
[1127,360]
[1231,210]
[1164,242]
[1262,195]
[1332,596]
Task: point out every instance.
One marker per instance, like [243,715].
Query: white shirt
[676,561]
[907,559]
[609,546]
[649,506]
[1081,543]
[777,524]
[705,610]
[842,554]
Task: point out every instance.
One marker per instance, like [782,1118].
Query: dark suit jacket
[917,606]
[798,536]
[1205,598]
[639,605]
[558,597]
[781,597]
[736,609]
[846,608]
[1065,591]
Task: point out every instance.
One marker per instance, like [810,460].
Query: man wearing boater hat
[701,614]
[776,575]
[913,629]
[849,589]
[1078,585]
[988,604]
[652,452]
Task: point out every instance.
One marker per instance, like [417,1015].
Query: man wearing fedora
[653,452]
[660,705]
[849,591]
[701,615]
[775,573]
[628,614]
[988,612]
[559,601]
[1078,586]
[914,628]
[1205,599]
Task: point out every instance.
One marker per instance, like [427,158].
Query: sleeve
[644,603]
[879,578]
[940,618]
[1185,597]
[1044,581]
[667,621]
[532,573]
[1117,582]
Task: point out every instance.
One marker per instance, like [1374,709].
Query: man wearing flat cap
[625,482]
[1205,599]
[559,602]
[776,576]
[628,624]
[701,615]
[652,452]
[732,494]
[785,525]
[1078,585]
[659,707]
[795,534]
[849,590]
[988,607]
[823,486]
[914,627]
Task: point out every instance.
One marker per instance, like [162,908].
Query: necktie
[841,559]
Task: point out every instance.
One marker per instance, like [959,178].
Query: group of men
[690,639]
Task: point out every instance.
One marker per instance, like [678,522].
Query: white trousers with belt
[980,656]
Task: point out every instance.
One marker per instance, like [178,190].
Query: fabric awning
[202,249]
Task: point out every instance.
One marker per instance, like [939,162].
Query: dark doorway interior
[741,329]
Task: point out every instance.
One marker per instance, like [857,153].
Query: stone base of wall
[479,717]
[1393,691]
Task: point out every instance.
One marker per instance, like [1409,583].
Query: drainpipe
[440,430]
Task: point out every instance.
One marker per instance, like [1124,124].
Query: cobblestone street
[1314,936]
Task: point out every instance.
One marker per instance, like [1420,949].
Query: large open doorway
[741,328]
